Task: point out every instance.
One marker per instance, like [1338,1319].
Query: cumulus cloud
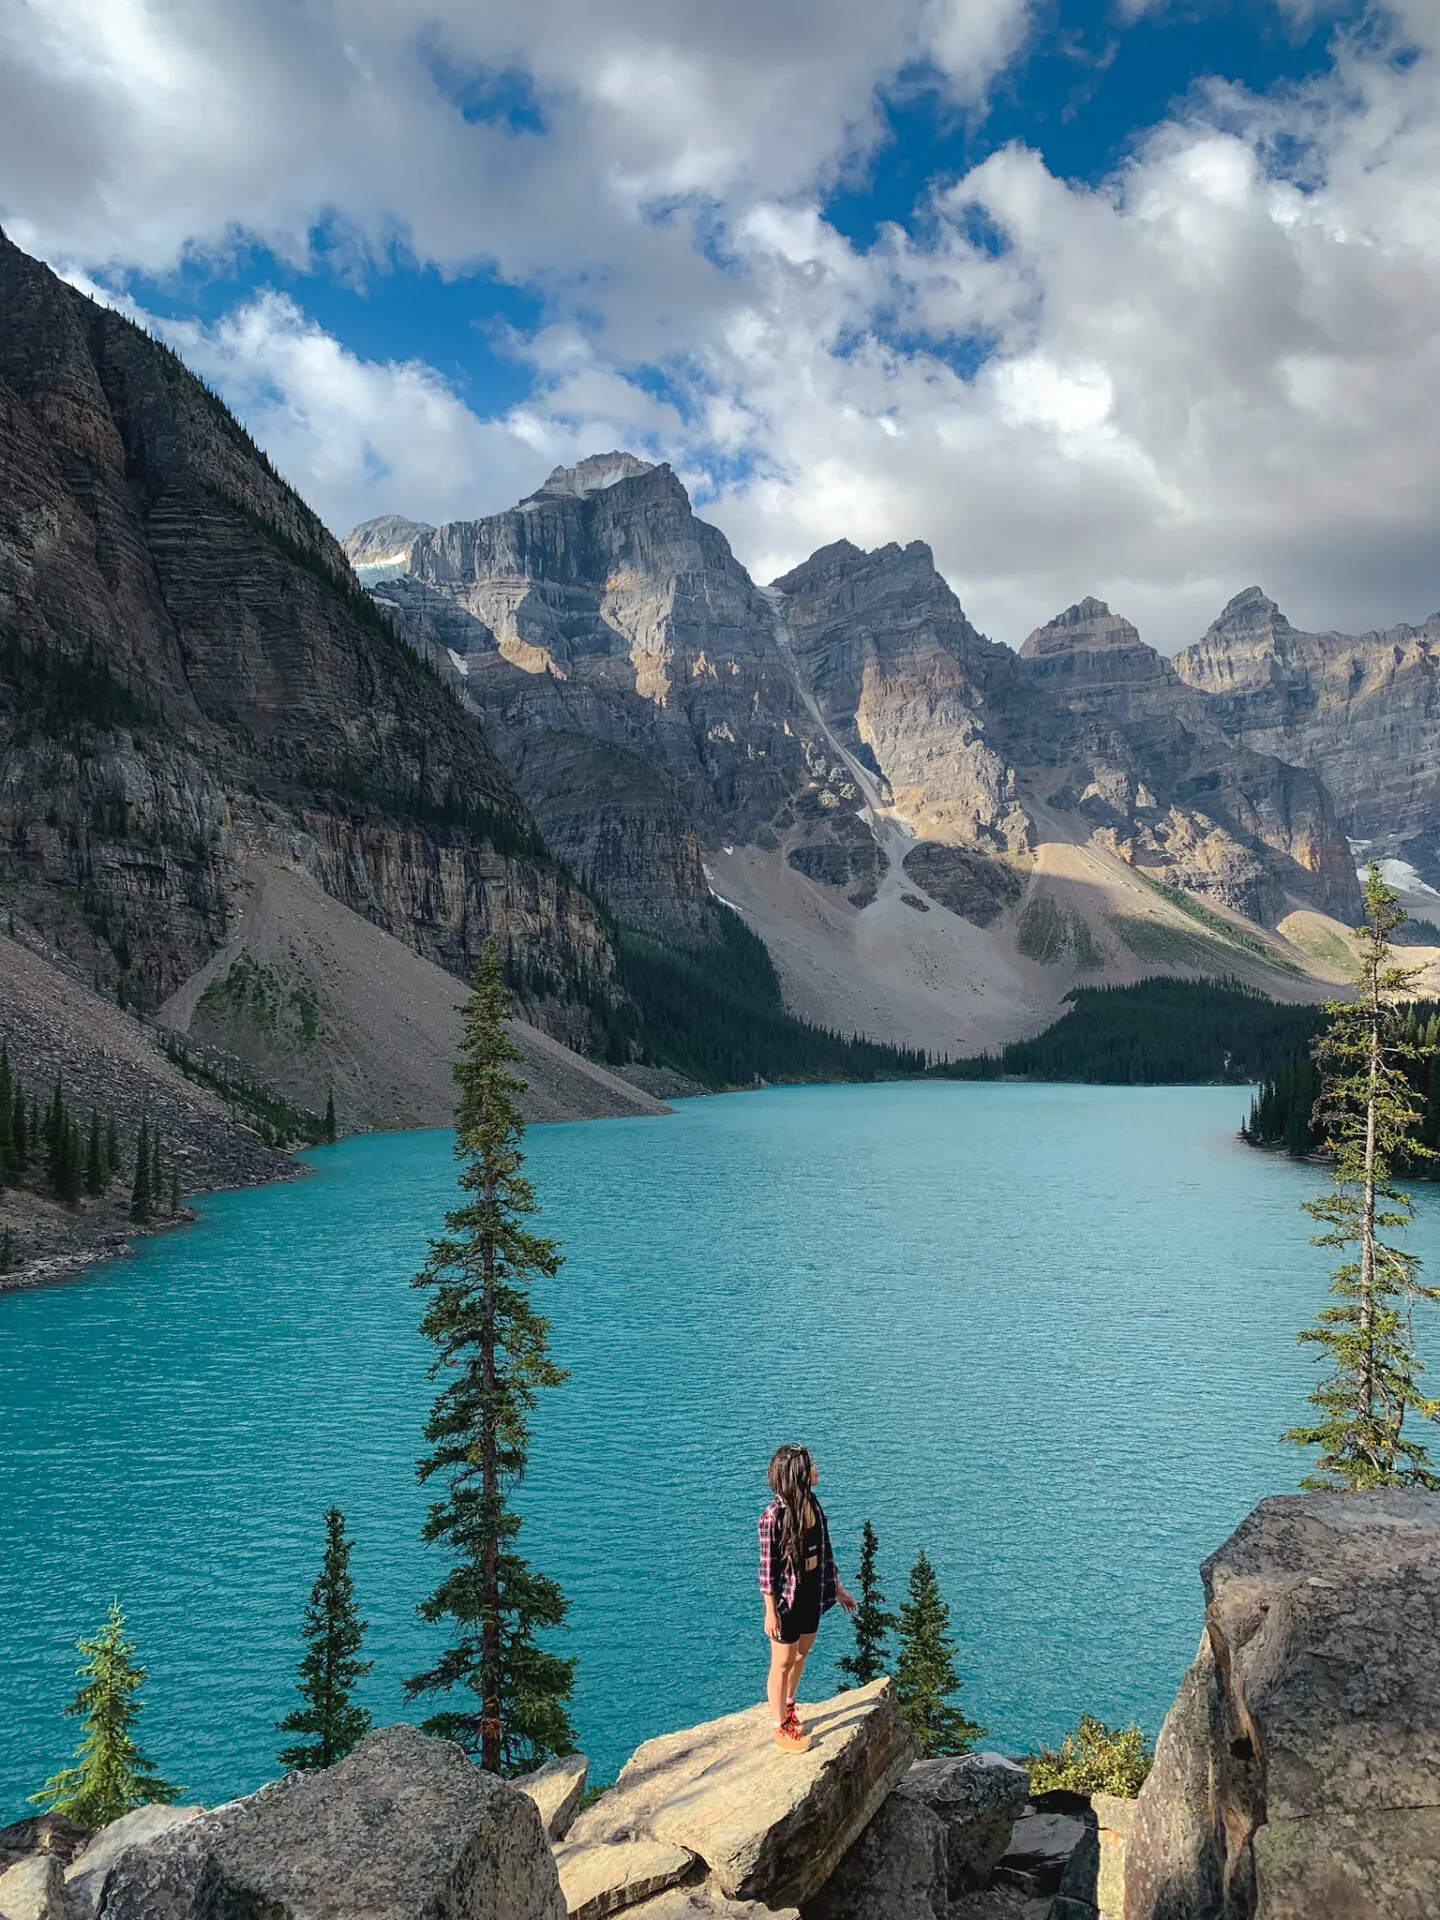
[1219,366]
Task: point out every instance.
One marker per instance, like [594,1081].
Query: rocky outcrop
[1362,710]
[978,1797]
[896,1870]
[404,1825]
[768,1825]
[557,1789]
[86,1875]
[190,675]
[1295,1774]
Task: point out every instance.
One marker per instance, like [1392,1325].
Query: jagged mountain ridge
[1362,710]
[658,710]
[191,683]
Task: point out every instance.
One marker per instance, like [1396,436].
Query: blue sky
[1117,297]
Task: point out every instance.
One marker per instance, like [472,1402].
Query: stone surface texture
[403,1826]
[34,1889]
[1114,1818]
[706,1902]
[1295,1775]
[556,1788]
[604,1876]
[894,1871]
[42,1833]
[979,1797]
[1039,1850]
[769,1825]
[85,1877]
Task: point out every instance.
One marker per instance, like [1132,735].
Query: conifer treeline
[54,1150]
[1283,1113]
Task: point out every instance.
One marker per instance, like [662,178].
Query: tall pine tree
[871,1622]
[925,1678]
[110,1776]
[330,1667]
[142,1198]
[1371,1115]
[493,1354]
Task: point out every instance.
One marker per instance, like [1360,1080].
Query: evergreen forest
[1158,1032]
[1282,1114]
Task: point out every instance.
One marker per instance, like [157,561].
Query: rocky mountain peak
[1250,615]
[1088,627]
[594,473]
[382,543]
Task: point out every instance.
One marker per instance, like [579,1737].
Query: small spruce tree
[925,1678]
[330,1117]
[157,1179]
[493,1354]
[110,1776]
[112,1148]
[95,1159]
[330,1667]
[142,1200]
[174,1189]
[6,1252]
[871,1622]
[1371,1115]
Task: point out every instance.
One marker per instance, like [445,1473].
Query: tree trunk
[1365,1385]
[491,1732]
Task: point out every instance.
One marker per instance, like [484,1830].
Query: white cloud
[1221,367]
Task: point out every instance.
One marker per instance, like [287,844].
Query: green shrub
[1093,1758]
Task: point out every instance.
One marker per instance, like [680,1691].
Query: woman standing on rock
[799,1580]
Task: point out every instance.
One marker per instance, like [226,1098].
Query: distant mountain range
[935,835]
[280,813]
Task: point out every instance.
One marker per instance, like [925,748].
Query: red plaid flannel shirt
[777,1576]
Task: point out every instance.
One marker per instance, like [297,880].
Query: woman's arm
[769,1524]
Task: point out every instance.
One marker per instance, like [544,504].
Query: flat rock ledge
[767,1825]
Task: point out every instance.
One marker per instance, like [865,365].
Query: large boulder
[402,1827]
[557,1789]
[979,1796]
[33,1889]
[894,1871]
[42,1833]
[770,1825]
[85,1878]
[1295,1775]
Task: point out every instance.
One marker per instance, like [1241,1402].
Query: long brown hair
[789,1478]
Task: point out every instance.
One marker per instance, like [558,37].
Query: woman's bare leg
[785,1661]
[801,1649]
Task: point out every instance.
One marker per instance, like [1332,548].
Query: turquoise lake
[1047,1332]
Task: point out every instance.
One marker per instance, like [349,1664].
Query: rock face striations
[1155,771]
[1363,711]
[624,665]
[190,678]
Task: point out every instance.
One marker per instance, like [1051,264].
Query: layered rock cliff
[190,677]
[1362,710]
[625,668]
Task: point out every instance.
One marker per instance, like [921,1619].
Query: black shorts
[803,1617]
